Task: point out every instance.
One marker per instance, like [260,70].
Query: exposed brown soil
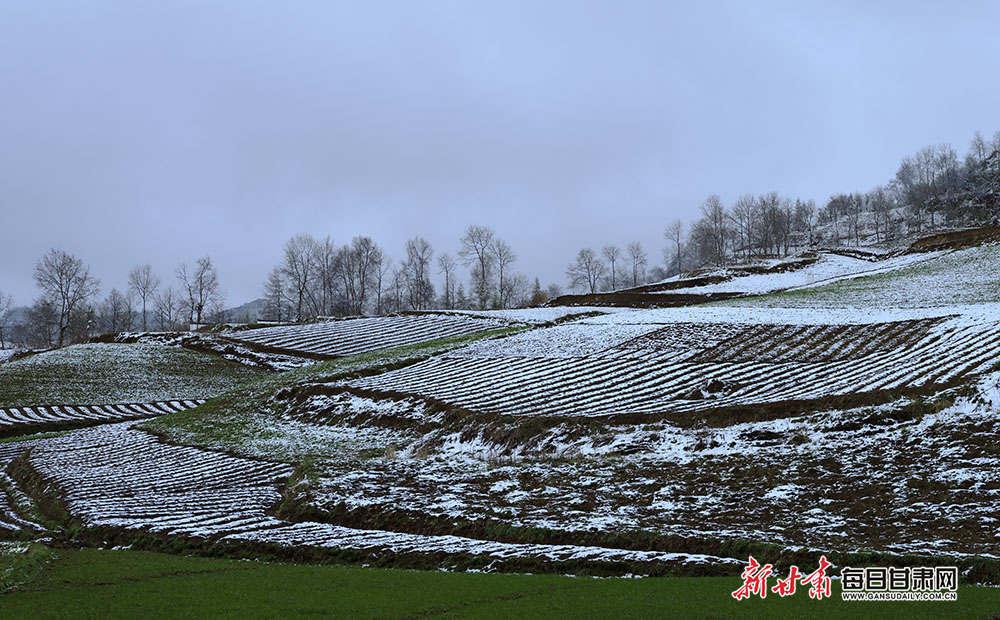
[676,284]
[631,299]
[955,239]
[855,253]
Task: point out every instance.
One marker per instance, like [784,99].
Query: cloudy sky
[134,132]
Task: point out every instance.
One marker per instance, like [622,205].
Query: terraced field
[349,336]
[123,479]
[893,478]
[701,366]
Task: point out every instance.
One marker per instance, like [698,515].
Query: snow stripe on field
[55,414]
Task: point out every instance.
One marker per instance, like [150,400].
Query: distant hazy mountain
[249,312]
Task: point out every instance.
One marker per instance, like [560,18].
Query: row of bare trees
[931,188]
[314,278]
[317,278]
[610,270]
[754,227]
[490,258]
[68,309]
[937,188]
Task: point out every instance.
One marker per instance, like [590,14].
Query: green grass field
[117,373]
[136,584]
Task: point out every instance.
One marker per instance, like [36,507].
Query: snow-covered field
[116,477]
[237,352]
[538,316]
[602,369]
[858,479]
[828,268]
[965,276]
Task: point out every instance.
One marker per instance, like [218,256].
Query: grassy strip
[132,584]
[31,437]
[385,558]
[19,564]
[47,507]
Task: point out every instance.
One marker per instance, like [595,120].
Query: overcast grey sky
[160,131]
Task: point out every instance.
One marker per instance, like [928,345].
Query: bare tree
[143,283]
[805,214]
[116,312]
[275,300]
[43,322]
[538,296]
[67,284]
[201,285]
[475,252]
[587,271]
[167,309]
[6,311]
[637,256]
[398,286]
[383,265]
[612,253]
[297,270]
[979,150]
[742,216]
[357,265]
[503,256]
[417,273]
[516,290]
[446,267]
[675,234]
[714,215]
[323,292]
